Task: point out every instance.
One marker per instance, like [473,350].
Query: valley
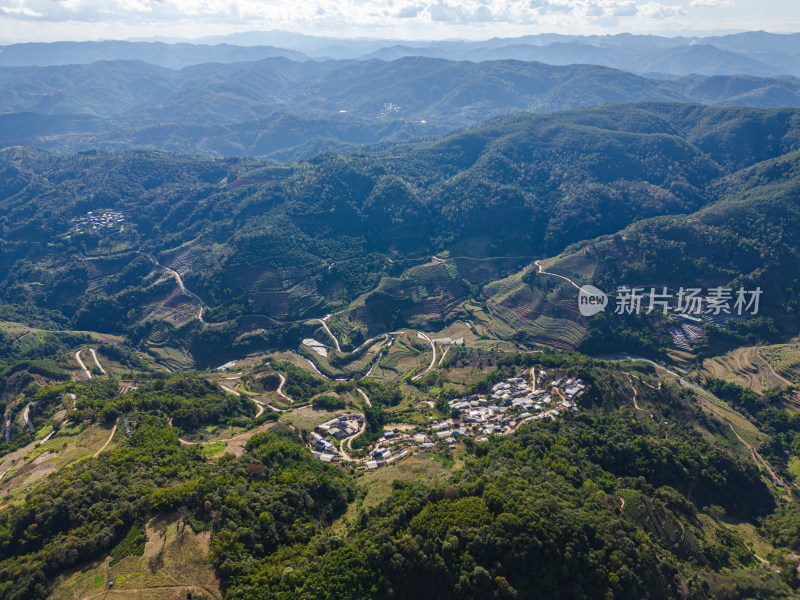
[292,326]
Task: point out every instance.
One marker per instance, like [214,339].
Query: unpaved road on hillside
[279,391]
[330,333]
[110,437]
[433,358]
[635,396]
[97,362]
[26,417]
[757,457]
[538,263]
[349,442]
[366,398]
[177,277]
[235,393]
[83,365]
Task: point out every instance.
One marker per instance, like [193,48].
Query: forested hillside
[94,240]
[619,501]
[284,109]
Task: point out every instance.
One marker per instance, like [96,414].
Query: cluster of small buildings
[509,404]
[516,400]
[339,429]
[99,219]
[384,456]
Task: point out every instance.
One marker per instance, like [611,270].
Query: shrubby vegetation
[599,503]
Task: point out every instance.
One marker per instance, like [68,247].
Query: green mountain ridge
[240,109]
[262,244]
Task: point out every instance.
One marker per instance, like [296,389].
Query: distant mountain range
[287,109]
[172,56]
[752,53]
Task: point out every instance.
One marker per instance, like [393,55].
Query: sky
[50,20]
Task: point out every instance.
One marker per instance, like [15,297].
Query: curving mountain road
[538,263]
[635,403]
[433,359]
[83,365]
[177,277]
[235,393]
[349,442]
[110,437]
[26,417]
[757,457]
[330,333]
[97,362]
[364,394]
[279,391]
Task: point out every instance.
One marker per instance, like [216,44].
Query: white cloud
[407,19]
[19,11]
[278,11]
[624,9]
[549,7]
[654,10]
[408,12]
[712,3]
[611,10]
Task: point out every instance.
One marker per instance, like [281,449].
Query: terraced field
[579,267]
[158,345]
[516,309]
[25,467]
[173,564]
[784,360]
[182,259]
[748,367]
[400,353]
[343,365]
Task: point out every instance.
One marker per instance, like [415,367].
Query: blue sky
[47,20]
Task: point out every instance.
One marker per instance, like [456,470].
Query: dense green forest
[603,504]
[264,245]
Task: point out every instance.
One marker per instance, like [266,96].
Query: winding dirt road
[279,391]
[759,460]
[97,362]
[364,395]
[635,396]
[83,365]
[229,390]
[260,407]
[26,417]
[349,442]
[177,277]
[433,359]
[108,441]
[538,263]
[235,393]
[330,333]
